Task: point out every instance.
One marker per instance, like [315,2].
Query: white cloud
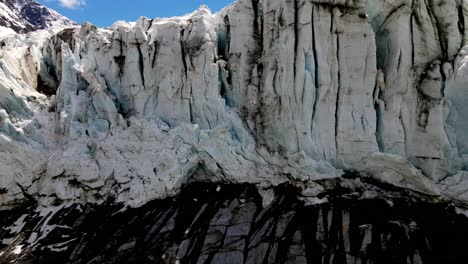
[72,3]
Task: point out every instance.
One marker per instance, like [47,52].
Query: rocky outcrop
[226,224]
[264,92]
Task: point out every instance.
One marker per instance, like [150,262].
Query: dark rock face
[24,16]
[35,13]
[227,224]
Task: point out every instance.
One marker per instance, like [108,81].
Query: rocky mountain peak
[24,16]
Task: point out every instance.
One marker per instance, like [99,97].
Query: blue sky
[104,12]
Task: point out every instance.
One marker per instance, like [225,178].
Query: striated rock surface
[318,94]
[227,224]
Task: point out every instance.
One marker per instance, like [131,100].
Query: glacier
[263,92]
[358,106]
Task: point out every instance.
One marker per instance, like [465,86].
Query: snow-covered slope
[28,15]
[264,92]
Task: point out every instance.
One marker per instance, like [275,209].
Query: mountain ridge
[24,16]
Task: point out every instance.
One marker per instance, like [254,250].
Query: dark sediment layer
[207,223]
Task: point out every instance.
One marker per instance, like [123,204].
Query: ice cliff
[305,92]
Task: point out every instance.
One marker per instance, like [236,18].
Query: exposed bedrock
[211,223]
[263,92]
